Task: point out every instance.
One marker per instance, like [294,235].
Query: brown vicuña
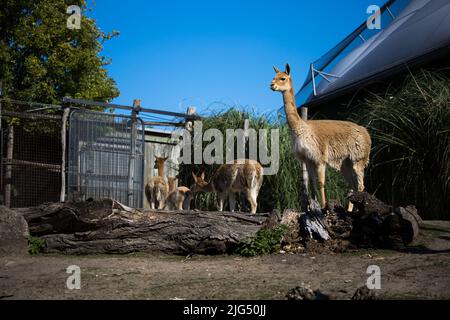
[157,189]
[342,145]
[237,176]
[179,198]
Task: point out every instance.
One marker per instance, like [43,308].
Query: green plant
[36,245]
[410,130]
[265,241]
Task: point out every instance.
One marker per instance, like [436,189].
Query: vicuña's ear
[165,158]
[202,175]
[288,69]
[276,69]
[195,177]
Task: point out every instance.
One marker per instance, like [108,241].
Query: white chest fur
[302,147]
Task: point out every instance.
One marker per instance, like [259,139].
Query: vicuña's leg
[251,197]
[232,201]
[221,199]
[321,178]
[312,173]
[348,172]
[359,174]
[161,203]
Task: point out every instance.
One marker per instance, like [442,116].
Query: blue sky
[172,54]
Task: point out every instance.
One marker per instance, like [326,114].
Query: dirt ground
[421,272]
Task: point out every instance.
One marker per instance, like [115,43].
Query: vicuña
[157,189]
[243,175]
[342,145]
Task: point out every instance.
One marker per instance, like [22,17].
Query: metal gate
[106,157]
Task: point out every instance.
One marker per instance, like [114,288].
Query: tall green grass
[410,129]
[279,191]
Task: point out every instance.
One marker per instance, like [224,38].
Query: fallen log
[376,224]
[106,226]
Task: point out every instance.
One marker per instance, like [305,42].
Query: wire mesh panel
[31,157]
[106,157]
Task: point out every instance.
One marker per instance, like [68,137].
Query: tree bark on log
[107,226]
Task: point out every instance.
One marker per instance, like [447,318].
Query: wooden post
[190,112]
[8,171]
[132,163]
[65,118]
[305,180]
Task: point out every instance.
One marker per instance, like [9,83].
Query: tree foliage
[43,60]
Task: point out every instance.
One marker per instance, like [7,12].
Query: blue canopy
[410,29]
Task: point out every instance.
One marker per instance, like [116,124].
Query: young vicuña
[237,176]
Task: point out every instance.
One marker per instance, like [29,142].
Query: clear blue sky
[172,54]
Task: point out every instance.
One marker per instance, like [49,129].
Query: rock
[364,293]
[13,233]
[409,225]
[290,219]
[304,292]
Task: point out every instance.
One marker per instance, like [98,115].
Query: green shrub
[410,130]
[265,241]
[36,245]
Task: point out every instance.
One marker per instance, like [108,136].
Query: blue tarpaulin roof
[409,29]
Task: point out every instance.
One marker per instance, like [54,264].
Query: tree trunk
[106,226]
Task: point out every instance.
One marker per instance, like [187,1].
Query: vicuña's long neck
[161,170]
[295,122]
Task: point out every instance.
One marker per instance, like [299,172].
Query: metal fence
[106,156]
[54,153]
[31,156]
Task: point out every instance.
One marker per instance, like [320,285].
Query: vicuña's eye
[282,79]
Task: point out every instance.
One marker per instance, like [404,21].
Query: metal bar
[118,106]
[62,196]
[327,74]
[323,76]
[17,162]
[165,124]
[313,80]
[30,115]
[8,171]
[390,12]
[1,137]
[29,103]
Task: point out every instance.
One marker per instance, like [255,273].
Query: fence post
[190,112]
[132,164]
[8,171]
[65,117]
[305,180]
[1,141]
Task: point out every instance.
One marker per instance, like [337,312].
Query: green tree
[42,60]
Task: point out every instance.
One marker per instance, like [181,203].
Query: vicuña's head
[282,81]
[159,162]
[199,182]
